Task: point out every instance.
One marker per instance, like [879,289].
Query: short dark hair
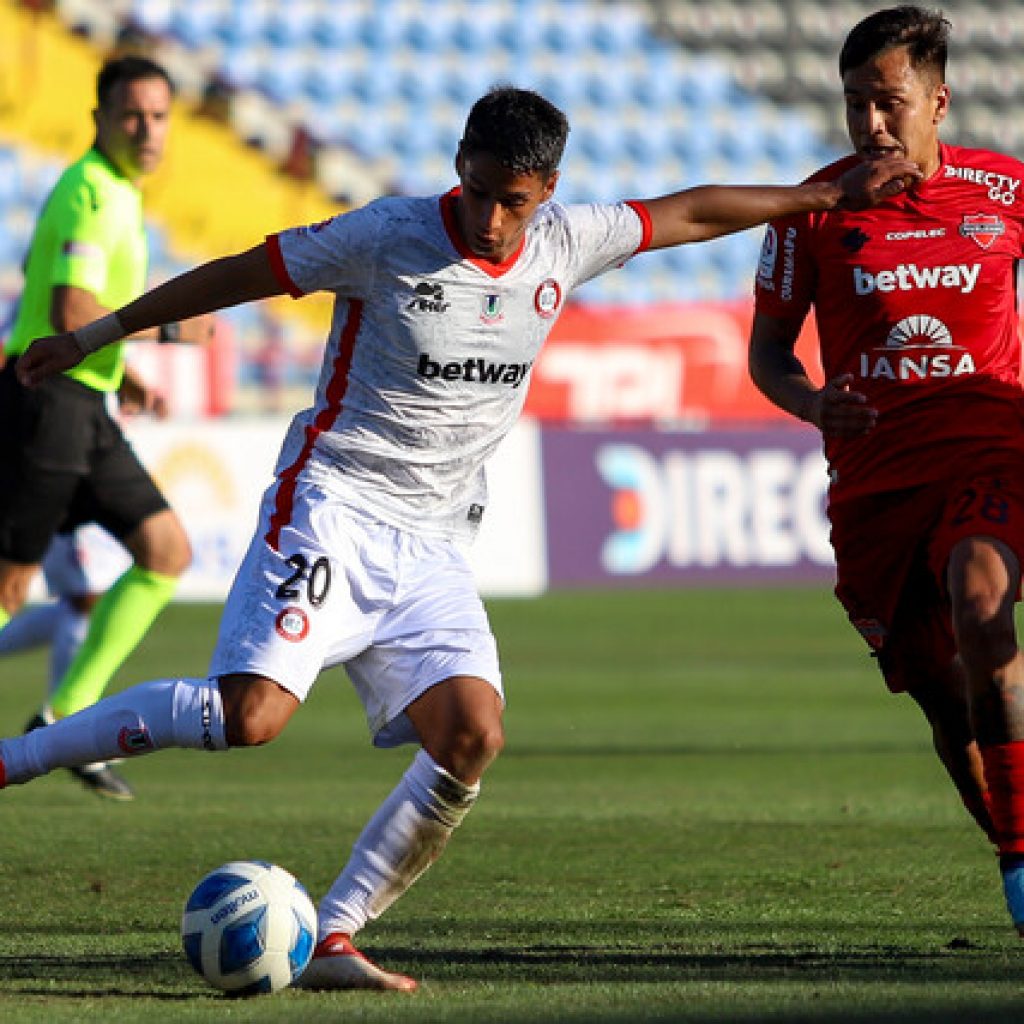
[924,32]
[521,129]
[127,69]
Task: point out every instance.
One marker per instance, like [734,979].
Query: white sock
[150,716]
[404,837]
[68,636]
[31,627]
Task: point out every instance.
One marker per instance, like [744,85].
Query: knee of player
[175,557]
[258,717]
[985,641]
[162,545]
[983,618]
[14,584]
[473,746]
[250,727]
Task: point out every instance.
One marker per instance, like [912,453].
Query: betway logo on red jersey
[907,277]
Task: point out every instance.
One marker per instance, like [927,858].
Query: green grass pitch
[709,809]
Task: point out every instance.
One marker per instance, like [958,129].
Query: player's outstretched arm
[708,211]
[224,282]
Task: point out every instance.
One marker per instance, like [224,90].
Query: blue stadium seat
[291,26]
[617,31]
[282,77]
[334,27]
[380,32]
[327,81]
[196,23]
[152,16]
[10,176]
[476,30]
[374,84]
[430,31]
[568,31]
[240,66]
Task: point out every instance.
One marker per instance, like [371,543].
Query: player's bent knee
[14,583]
[986,635]
[256,709]
[467,751]
[160,544]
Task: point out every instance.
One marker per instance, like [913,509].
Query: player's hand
[873,181]
[46,357]
[135,397]
[838,411]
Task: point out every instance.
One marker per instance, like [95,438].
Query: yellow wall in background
[213,195]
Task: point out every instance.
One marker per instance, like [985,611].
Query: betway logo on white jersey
[907,277]
[473,370]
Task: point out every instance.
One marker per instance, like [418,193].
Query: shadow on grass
[164,976]
[561,964]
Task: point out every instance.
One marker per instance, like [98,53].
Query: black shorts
[64,462]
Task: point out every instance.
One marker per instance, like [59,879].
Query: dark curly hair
[924,32]
[521,129]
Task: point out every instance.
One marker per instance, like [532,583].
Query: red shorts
[892,550]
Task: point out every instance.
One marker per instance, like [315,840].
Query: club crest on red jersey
[983,228]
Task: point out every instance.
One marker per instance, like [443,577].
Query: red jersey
[916,298]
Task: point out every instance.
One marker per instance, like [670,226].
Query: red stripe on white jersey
[277,265]
[324,419]
[645,219]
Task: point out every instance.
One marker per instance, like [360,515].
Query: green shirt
[90,235]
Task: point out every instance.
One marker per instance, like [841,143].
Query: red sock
[1004,773]
[979,806]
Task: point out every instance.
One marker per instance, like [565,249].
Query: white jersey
[430,350]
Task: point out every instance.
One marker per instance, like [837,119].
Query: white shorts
[87,561]
[400,611]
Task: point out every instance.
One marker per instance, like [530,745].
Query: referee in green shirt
[65,461]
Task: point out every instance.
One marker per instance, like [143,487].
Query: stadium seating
[391,81]
[661,95]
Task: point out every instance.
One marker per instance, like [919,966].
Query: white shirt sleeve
[604,237]
[336,255]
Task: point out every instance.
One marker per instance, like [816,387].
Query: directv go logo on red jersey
[1001,187]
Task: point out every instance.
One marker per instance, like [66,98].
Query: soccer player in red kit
[922,412]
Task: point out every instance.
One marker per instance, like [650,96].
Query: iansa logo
[919,347]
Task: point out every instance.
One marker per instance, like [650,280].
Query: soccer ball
[249,927]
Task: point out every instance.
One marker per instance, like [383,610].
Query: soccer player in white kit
[442,305]
[79,567]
